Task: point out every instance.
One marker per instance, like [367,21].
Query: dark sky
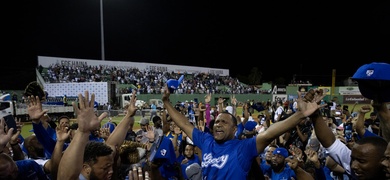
[308,39]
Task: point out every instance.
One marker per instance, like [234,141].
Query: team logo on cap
[369,72]
[163,152]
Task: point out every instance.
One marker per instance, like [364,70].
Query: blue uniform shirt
[229,160]
[29,169]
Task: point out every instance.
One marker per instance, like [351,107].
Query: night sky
[308,39]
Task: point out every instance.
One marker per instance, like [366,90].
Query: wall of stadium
[45,61]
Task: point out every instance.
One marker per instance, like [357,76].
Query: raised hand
[207,98]
[132,109]
[15,137]
[86,117]
[166,94]
[184,161]
[34,108]
[19,124]
[104,132]
[62,132]
[293,162]
[312,155]
[201,125]
[233,100]
[297,152]
[341,137]
[311,102]
[365,109]
[150,133]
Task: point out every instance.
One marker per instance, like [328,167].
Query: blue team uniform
[229,160]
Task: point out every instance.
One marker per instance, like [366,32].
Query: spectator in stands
[230,151]
[198,83]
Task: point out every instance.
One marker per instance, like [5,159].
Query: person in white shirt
[279,111]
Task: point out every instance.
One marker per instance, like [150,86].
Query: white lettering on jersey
[219,162]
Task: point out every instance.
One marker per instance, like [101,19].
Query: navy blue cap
[373,71]
[163,149]
[281,151]
[374,81]
[250,125]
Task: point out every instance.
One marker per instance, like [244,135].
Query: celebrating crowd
[196,141]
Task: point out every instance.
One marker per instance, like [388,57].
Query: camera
[10,121]
[308,122]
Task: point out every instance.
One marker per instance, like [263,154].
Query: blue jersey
[264,166]
[29,169]
[240,129]
[179,138]
[287,173]
[229,160]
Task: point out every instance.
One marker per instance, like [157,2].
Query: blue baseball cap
[374,81]
[173,84]
[163,150]
[250,125]
[373,71]
[281,151]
